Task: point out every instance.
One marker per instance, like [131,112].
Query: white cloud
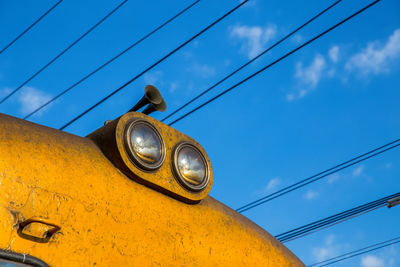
[157,79]
[31,98]
[272,184]
[290,97]
[323,253]
[255,37]
[330,239]
[153,78]
[388,165]
[202,70]
[375,58]
[298,38]
[311,195]
[333,178]
[328,250]
[331,72]
[4,92]
[372,261]
[187,54]
[358,171]
[334,53]
[227,62]
[311,75]
[250,3]
[173,87]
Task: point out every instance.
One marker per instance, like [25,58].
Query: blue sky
[335,99]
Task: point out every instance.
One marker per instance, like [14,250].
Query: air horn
[152,97]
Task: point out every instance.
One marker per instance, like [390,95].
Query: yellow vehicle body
[62,184]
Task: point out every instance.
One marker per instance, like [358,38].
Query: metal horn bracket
[152,97]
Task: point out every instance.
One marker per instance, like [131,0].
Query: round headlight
[190,167]
[145,145]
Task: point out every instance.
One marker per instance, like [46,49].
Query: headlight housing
[190,167]
[144,145]
[147,151]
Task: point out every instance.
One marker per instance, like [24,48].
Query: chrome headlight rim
[134,158]
[178,175]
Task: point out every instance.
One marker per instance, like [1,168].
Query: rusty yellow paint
[108,219]
[111,140]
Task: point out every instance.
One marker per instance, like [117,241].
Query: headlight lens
[190,167]
[145,145]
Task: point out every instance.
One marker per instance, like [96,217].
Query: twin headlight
[157,156]
[146,148]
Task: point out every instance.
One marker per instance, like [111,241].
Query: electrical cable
[334,219]
[62,52]
[250,61]
[112,59]
[358,208]
[354,253]
[30,26]
[333,224]
[370,154]
[273,63]
[153,65]
[325,224]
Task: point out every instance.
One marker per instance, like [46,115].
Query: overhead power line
[250,61]
[357,252]
[344,165]
[273,63]
[334,219]
[30,26]
[62,52]
[112,59]
[153,65]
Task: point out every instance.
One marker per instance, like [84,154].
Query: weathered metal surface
[106,218]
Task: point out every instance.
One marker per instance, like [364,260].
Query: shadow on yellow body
[107,218]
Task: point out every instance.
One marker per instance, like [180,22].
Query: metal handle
[55,228]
